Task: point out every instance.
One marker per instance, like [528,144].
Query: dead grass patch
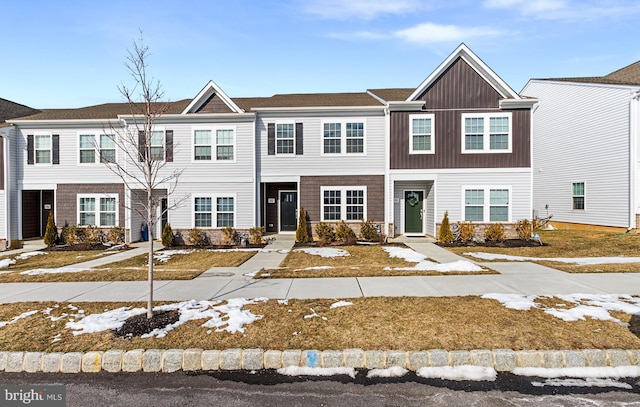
[179,267]
[407,323]
[574,243]
[363,261]
[54,259]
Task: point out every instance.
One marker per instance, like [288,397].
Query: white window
[578,195]
[87,148]
[421,134]
[214,211]
[98,210]
[285,138]
[343,137]
[343,203]
[487,204]
[157,145]
[486,133]
[42,149]
[207,141]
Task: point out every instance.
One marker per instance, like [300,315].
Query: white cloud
[361,9]
[527,6]
[567,10]
[430,33]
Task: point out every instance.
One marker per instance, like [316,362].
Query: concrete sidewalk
[231,282]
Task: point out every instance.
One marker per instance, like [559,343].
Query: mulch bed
[139,325]
[80,247]
[214,247]
[506,243]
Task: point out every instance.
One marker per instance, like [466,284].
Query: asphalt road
[265,388]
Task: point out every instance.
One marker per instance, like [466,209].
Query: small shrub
[197,237]
[256,234]
[494,233]
[93,235]
[345,234]
[445,235]
[302,231]
[116,235]
[525,229]
[368,231]
[167,235]
[229,236]
[73,235]
[325,232]
[51,234]
[467,231]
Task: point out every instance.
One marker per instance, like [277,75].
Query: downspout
[7,190]
[127,193]
[531,137]
[256,182]
[388,188]
[634,133]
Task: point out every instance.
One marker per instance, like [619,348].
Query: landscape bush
[256,234]
[368,231]
[229,236]
[467,231]
[167,235]
[494,233]
[302,231]
[51,233]
[345,234]
[325,232]
[116,235]
[445,236]
[197,237]
[525,229]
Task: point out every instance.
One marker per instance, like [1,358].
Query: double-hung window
[343,203]
[578,195]
[285,138]
[157,145]
[422,134]
[487,204]
[105,143]
[214,144]
[224,144]
[202,145]
[87,148]
[214,211]
[486,133]
[343,137]
[97,210]
[42,149]
[107,148]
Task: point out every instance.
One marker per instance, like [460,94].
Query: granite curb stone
[172,360]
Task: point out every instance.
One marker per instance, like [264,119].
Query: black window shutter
[55,149]
[271,139]
[299,139]
[141,145]
[168,140]
[30,150]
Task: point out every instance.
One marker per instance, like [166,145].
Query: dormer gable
[212,99]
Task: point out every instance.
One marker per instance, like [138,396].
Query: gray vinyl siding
[3,210]
[581,134]
[12,187]
[313,162]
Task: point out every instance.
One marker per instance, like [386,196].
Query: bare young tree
[142,169]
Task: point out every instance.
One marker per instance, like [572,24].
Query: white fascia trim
[278,179]
[376,97]
[320,109]
[410,106]
[39,123]
[633,88]
[517,104]
[474,62]
[196,117]
[206,92]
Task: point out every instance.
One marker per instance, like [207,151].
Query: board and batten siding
[581,134]
[313,162]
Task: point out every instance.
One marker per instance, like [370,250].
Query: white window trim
[433,133]
[35,150]
[486,139]
[343,201]
[213,145]
[164,141]
[343,136]
[214,209]
[95,147]
[277,123]
[584,196]
[97,208]
[486,211]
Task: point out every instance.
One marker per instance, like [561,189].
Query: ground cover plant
[362,261]
[567,243]
[381,323]
[169,265]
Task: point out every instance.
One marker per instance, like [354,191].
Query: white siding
[313,162]
[398,204]
[581,134]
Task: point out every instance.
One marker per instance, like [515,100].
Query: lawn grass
[381,323]
[574,243]
[363,261]
[54,259]
[179,267]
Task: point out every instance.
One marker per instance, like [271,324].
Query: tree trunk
[150,223]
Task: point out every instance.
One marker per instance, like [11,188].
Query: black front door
[288,209]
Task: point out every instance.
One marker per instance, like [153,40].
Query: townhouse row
[459,142]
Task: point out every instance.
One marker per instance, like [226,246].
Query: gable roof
[11,110]
[211,89]
[629,75]
[476,64]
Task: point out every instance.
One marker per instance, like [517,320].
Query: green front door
[413,213]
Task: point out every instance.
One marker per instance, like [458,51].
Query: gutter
[7,189]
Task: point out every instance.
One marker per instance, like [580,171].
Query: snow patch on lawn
[229,317]
[317,371]
[314,268]
[26,255]
[423,264]
[58,270]
[340,304]
[165,255]
[17,318]
[514,301]
[464,372]
[4,263]
[581,261]
[328,252]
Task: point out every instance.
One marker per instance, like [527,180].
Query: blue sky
[72,53]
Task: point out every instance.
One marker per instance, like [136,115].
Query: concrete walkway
[231,282]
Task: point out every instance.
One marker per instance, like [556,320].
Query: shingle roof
[309,100]
[11,110]
[629,75]
[393,94]
[103,111]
